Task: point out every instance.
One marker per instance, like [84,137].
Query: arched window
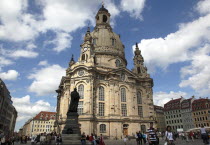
[94,41]
[104,18]
[143,128]
[113,42]
[102,128]
[81,91]
[117,62]
[101,93]
[83,57]
[123,95]
[139,99]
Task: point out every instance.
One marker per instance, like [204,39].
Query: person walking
[140,136]
[94,139]
[3,140]
[137,138]
[83,139]
[169,136]
[144,136]
[151,135]
[125,140]
[101,142]
[191,135]
[58,139]
[204,134]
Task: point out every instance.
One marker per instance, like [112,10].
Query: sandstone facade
[115,101]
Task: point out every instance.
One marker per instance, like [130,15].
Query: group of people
[7,140]
[152,138]
[93,138]
[45,138]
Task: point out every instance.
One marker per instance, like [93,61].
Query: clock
[85,48]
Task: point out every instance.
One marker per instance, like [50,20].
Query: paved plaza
[133,142]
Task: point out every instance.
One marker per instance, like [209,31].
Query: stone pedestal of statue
[71,134]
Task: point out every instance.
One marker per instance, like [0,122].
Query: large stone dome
[105,41]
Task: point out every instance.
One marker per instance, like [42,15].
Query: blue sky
[37,39]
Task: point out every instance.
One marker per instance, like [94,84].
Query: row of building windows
[172,112]
[101,94]
[42,130]
[173,116]
[204,124]
[43,122]
[177,127]
[174,121]
[201,118]
[101,109]
[201,112]
[47,126]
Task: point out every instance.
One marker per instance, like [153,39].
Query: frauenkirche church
[114,100]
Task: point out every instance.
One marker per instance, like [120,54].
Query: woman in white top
[169,136]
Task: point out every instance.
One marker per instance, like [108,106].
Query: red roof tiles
[43,115]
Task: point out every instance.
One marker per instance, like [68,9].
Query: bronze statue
[74,101]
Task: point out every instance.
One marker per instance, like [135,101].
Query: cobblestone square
[133,142]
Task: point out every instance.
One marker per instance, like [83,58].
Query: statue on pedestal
[74,101]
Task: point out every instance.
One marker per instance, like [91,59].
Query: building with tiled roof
[159,117]
[201,112]
[42,122]
[186,111]
[172,112]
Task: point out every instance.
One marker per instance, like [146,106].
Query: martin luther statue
[74,101]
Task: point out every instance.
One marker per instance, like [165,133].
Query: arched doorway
[125,129]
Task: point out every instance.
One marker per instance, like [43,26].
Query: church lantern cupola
[103,17]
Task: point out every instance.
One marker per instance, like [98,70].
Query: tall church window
[101,93]
[139,98]
[123,95]
[138,70]
[140,111]
[113,42]
[124,109]
[94,41]
[83,57]
[101,109]
[117,62]
[102,128]
[81,91]
[80,108]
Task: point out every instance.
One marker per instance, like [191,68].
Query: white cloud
[26,109]
[12,16]
[176,47]
[43,63]
[160,98]
[134,7]
[10,75]
[22,53]
[46,80]
[4,62]
[62,41]
[203,6]
[62,17]
[197,74]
